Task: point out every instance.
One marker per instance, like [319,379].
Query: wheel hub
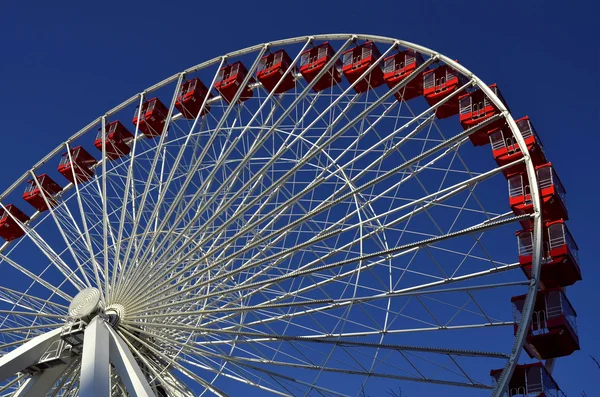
[86,304]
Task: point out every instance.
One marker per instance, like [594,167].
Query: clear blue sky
[61,66]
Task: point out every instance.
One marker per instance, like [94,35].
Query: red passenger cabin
[152,118]
[398,67]
[117,140]
[229,80]
[44,188]
[10,220]
[357,60]
[81,165]
[553,330]
[438,84]
[529,380]
[552,193]
[560,261]
[474,108]
[271,69]
[506,150]
[314,60]
[191,96]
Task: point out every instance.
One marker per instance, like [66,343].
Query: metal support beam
[40,383]
[129,371]
[26,355]
[95,370]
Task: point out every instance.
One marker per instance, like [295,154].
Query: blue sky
[63,65]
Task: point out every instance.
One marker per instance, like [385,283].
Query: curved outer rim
[537,219]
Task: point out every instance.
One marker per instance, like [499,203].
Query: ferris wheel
[325,215]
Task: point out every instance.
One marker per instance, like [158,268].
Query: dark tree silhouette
[391,393]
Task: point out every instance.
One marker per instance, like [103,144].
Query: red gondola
[553,330]
[552,192]
[506,150]
[190,98]
[357,60]
[230,78]
[34,195]
[83,162]
[152,117]
[474,108]
[560,263]
[398,67]
[271,69]
[117,140]
[10,228]
[529,380]
[438,83]
[314,60]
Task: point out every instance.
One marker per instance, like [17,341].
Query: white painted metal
[95,380]
[41,383]
[129,371]
[26,355]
